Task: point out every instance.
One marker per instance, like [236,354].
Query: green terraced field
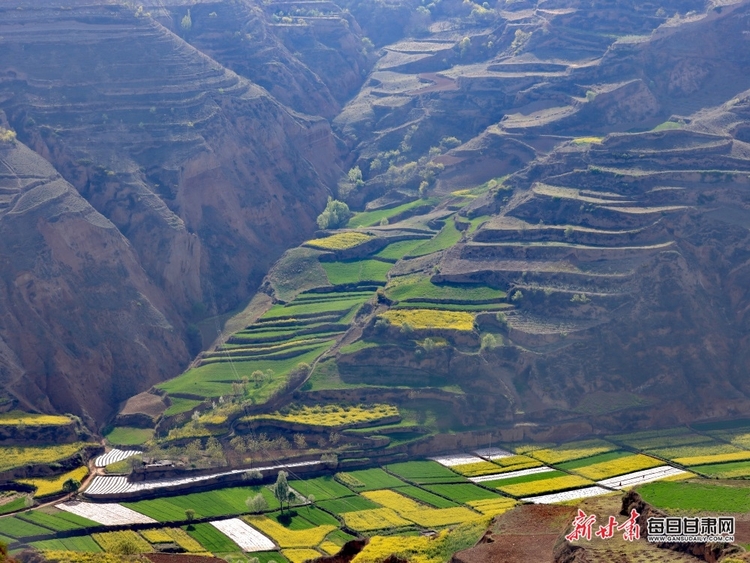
[424,472]
[211,538]
[728,470]
[422,289]
[601,458]
[56,522]
[12,506]
[426,497]
[374,479]
[215,379]
[222,502]
[346,504]
[340,273]
[462,492]
[125,436]
[81,543]
[180,405]
[371,218]
[324,488]
[14,527]
[398,250]
[451,306]
[316,517]
[447,237]
[294,309]
[680,495]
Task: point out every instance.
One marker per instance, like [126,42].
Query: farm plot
[346,504]
[567,496]
[424,472]
[375,519]
[324,488]
[610,464]
[397,250]
[572,451]
[493,453]
[11,456]
[13,505]
[113,456]
[713,458]
[286,537]
[300,555]
[371,218]
[57,521]
[128,436]
[358,271]
[510,474]
[209,504]
[46,486]
[81,543]
[304,308]
[369,480]
[418,513]
[456,460]
[248,538]
[112,542]
[697,496]
[492,507]
[431,318]
[339,241]
[334,416]
[476,469]
[463,493]
[541,483]
[426,497]
[417,288]
[211,538]
[645,476]
[660,438]
[14,418]
[728,470]
[447,237]
[15,527]
[515,463]
[109,514]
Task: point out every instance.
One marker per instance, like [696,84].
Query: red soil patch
[534,531]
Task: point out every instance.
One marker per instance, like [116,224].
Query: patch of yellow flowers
[431,318]
[339,241]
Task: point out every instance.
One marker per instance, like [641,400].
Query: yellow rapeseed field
[374,519]
[81,557]
[431,318]
[515,462]
[587,140]
[111,541]
[334,415]
[15,418]
[476,469]
[300,555]
[619,466]
[492,507]
[574,450]
[289,538]
[52,485]
[418,513]
[329,547]
[716,458]
[157,536]
[185,540]
[546,486]
[16,457]
[339,241]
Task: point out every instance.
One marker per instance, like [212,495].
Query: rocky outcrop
[193,181]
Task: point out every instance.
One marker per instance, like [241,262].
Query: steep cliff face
[206,176]
[79,316]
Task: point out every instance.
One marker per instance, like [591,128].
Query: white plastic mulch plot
[113,456]
[568,495]
[459,459]
[493,453]
[247,537]
[510,474]
[106,485]
[109,514]
[644,476]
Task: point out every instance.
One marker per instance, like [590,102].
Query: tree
[517,296]
[300,442]
[71,485]
[189,515]
[257,504]
[428,345]
[126,546]
[331,461]
[406,328]
[355,177]
[489,341]
[281,489]
[187,22]
[335,215]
